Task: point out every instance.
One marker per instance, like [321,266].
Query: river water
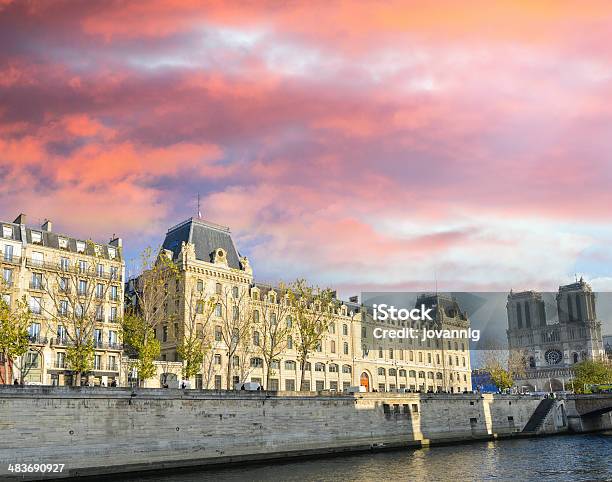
[557,458]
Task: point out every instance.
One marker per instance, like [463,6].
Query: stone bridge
[592,405]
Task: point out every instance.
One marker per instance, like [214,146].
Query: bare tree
[193,341]
[77,295]
[273,323]
[312,309]
[236,314]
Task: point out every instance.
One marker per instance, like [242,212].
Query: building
[209,264]
[551,349]
[74,291]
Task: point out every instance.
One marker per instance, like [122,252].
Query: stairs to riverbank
[541,412]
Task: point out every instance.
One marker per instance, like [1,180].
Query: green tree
[591,372]
[502,378]
[149,309]
[312,309]
[14,337]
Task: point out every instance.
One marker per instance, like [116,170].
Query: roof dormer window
[112,253]
[7,232]
[63,243]
[80,245]
[36,237]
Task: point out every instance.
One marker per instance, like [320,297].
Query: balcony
[37,285]
[37,340]
[102,345]
[59,366]
[16,260]
[60,341]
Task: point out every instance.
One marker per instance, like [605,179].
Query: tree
[502,378]
[312,309]
[149,309]
[502,365]
[591,372]
[193,343]
[14,339]
[236,314]
[77,295]
[273,323]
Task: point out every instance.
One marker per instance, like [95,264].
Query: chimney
[117,242]
[47,226]
[21,219]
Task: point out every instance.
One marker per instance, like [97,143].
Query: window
[290,385]
[289,342]
[82,266]
[36,237]
[112,338]
[31,360]
[200,285]
[217,382]
[38,259]
[218,309]
[218,333]
[381,371]
[7,299]
[63,243]
[319,347]
[256,316]
[290,365]
[80,245]
[35,305]
[412,374]
[392,372]
[235,313]
[113,293]
[100,270]
[332,346]
[165,333]
[346,369]
[199,307]
[289,322]
[307,367]
[97,362]
[380,352]
[332,328]
[217,359]
[7,232]
[112,363]
[273,318]
[82,287]
[7,276]
[402,373]
[256,338]
[36,282]
[319,367]
[99,313]
[333,368]
[60,360]
[345,348]
[218,288]
[390,353]
[8,252]
[345,329]
[275,364]
[256,362]
[63,308]
[112,253]
[235,292]
[320,385]
[114,272]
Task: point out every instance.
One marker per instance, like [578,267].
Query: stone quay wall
[97,431]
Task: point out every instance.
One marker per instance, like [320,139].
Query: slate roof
[206,237]
[448,304]
[51,240]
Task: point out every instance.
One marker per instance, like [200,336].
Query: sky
[361,145]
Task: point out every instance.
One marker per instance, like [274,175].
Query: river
[557,458]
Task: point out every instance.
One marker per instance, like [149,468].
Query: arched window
[430,375]
[290,365]
[319,367]
[402,373]
[332,328]
[235,291]
[256,362]
[256,338]
[421,374]
[392,372]
[307,367]
[346,369]
[333,368]
[412,374]
[381,371]
[439,376]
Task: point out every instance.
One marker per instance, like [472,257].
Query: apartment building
[74,290]
[210,265]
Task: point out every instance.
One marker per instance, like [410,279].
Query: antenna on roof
[199,212]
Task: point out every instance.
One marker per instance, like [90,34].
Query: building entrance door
[364,381]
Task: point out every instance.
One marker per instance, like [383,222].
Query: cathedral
[554,338]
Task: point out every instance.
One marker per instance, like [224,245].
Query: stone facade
[210,265]
[96,431]
[56,275]
[551,349]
